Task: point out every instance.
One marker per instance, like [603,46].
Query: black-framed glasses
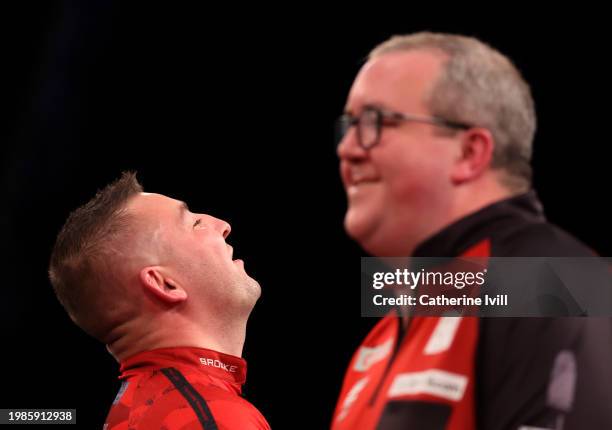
[371,120]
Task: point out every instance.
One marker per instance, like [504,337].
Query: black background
[233,113]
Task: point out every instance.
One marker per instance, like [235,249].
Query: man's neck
[137,336]
[476,197]
[467,201]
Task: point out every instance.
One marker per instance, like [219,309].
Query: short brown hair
[478,85]
[86,250]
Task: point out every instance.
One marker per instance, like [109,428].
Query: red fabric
[149,400]
[481,249]
[419,371]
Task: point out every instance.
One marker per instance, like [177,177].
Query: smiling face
[400,190]
[191,250]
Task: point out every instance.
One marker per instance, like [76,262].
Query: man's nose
[221,226]
[349,148]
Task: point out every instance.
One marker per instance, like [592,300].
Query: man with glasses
[435,147]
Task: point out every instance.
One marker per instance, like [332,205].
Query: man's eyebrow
[376,106]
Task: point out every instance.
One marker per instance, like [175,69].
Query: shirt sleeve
[548,373]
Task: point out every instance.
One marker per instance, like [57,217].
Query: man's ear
[477,146]
[153,279]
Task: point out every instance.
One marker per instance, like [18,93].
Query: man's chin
[358,227]
[253,288]
[369,235]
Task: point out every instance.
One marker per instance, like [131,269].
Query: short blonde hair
[84,257]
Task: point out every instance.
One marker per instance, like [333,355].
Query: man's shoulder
[206,395]
[182,398]
[537,239]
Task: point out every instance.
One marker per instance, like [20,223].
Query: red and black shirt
[182,389]
[464,373]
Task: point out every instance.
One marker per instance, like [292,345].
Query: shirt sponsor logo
[351,396]
[435,382]
[442,336]
[368,356]
[218,364]
[562,384]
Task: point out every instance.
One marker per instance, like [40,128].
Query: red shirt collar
[223,366]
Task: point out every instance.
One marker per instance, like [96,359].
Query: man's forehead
[395,80]
[153,201]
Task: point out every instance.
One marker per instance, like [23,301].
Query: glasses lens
[342,126]
[369,124]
